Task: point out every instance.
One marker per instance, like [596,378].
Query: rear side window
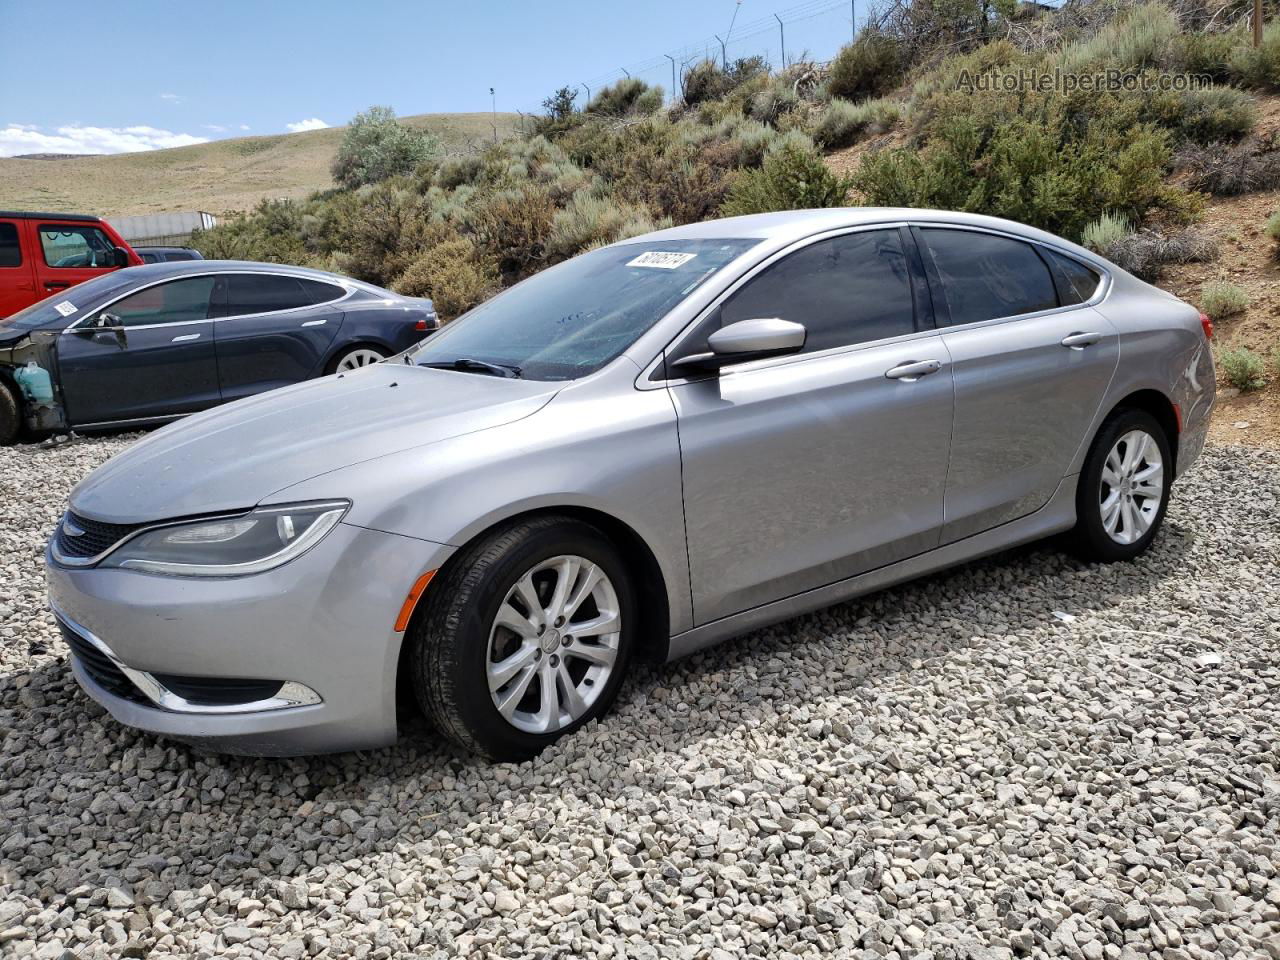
[73,245]
[985,276]
[179,301]
[10,249]
[320,292]
[1076,282]
[263,293]
[846,290]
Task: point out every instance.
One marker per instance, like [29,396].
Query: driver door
[803,470]
[146,356]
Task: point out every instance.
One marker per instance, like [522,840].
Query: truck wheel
[10,415]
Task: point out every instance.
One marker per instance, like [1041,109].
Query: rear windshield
[82,296]
[572,319]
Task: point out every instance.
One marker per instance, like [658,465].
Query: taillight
[422,325]
[1207,324]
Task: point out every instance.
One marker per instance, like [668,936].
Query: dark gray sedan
[152,343]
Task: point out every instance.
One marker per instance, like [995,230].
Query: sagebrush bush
[376,146]
[868,67]
[1272,229]
[769,104]
[1228,169]
[1145,36]
[1145,253]
[1220,300]
[513,226]
[706,81]
[454,274]
[590,220]
[1206,54]
[1102,234]
[1205,116]
[1242,368]
[630,96]
[792,177]
[1258,67]
[842,122]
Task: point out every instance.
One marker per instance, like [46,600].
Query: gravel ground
[945,770]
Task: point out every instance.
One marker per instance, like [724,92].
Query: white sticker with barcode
[661,260]
[66,308]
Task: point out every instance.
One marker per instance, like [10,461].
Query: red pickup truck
[43,253]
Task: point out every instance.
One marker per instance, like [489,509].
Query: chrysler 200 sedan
[632,455]
[153,343]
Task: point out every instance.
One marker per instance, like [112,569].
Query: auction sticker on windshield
[660,259]
[66,308]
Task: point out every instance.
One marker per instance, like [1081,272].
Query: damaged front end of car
[28,366]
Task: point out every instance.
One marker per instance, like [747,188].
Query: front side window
[10,248]
[179,301]
[572,319]
[263,293]
[846,290]
[985,276]
[72,245]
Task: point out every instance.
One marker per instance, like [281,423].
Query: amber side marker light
[411,601]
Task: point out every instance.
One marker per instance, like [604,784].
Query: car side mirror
[121,258]
[106,321]
[743,341]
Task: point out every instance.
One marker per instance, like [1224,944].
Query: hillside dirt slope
[219,176]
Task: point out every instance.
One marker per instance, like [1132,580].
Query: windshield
[572,319]
[46,313]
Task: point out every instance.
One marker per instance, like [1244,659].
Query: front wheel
[1124,488]
[10,415]
[525,637]
[353,358]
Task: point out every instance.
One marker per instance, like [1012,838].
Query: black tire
[450,638]
[10,415]
[1090,539]
[345,352]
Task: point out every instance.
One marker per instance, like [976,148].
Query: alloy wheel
[1132,487]
[553,644]
[358,358]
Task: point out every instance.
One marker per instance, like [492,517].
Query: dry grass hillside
[219,176]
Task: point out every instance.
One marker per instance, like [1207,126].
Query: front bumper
[323,624]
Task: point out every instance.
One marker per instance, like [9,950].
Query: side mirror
[743,341]
[121,256]
[106,321]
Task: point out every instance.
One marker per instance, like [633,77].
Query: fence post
[782,39]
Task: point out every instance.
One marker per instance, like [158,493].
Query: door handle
[1078,341]
[55,285]
[913,370]
[315,323]
[185,338]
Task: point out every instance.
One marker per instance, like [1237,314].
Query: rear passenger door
[803,470]
[1032,362]
[273,330]
[17,272]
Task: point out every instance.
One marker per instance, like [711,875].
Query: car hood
[232,457]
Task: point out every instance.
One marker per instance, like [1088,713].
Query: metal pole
[724,56]
[493,98]
[782,38]
[854,3]
[1257,23]
[588,89]
[624,70]
[673,75]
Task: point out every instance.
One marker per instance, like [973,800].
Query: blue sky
[103,77]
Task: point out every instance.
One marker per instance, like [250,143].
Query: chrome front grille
[80,538]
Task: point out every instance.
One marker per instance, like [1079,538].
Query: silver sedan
[632,455]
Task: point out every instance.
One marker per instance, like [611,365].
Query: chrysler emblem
[71,530]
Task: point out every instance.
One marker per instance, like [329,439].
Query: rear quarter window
[1076,282]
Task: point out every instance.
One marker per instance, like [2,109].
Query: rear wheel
[1124,488]
[10,415]
[353,358]
[525,637]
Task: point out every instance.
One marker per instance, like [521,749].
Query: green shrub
[591,220]
[842,123]
[1242,368]
[1272,228]
[1258,67]
[630,96]
[454,274]
[1105,232]
[271,233]
[1206,54]
[792,177]
[868,67]
[706,82]
[512,227]
[1221,300]
[769,104]
[1205,116]
[1229,169]
[1145,36]
[375,146]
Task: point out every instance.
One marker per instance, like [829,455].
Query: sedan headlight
[230,546]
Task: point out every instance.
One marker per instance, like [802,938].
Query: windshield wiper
[468,365]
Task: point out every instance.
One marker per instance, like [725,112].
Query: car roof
[43,215]
[791,225]
[175,268]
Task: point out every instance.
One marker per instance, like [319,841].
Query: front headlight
[230,546]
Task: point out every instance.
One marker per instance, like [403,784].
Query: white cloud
[244,126]
[171,97]
[215,127]
[315,123]
[17,138]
